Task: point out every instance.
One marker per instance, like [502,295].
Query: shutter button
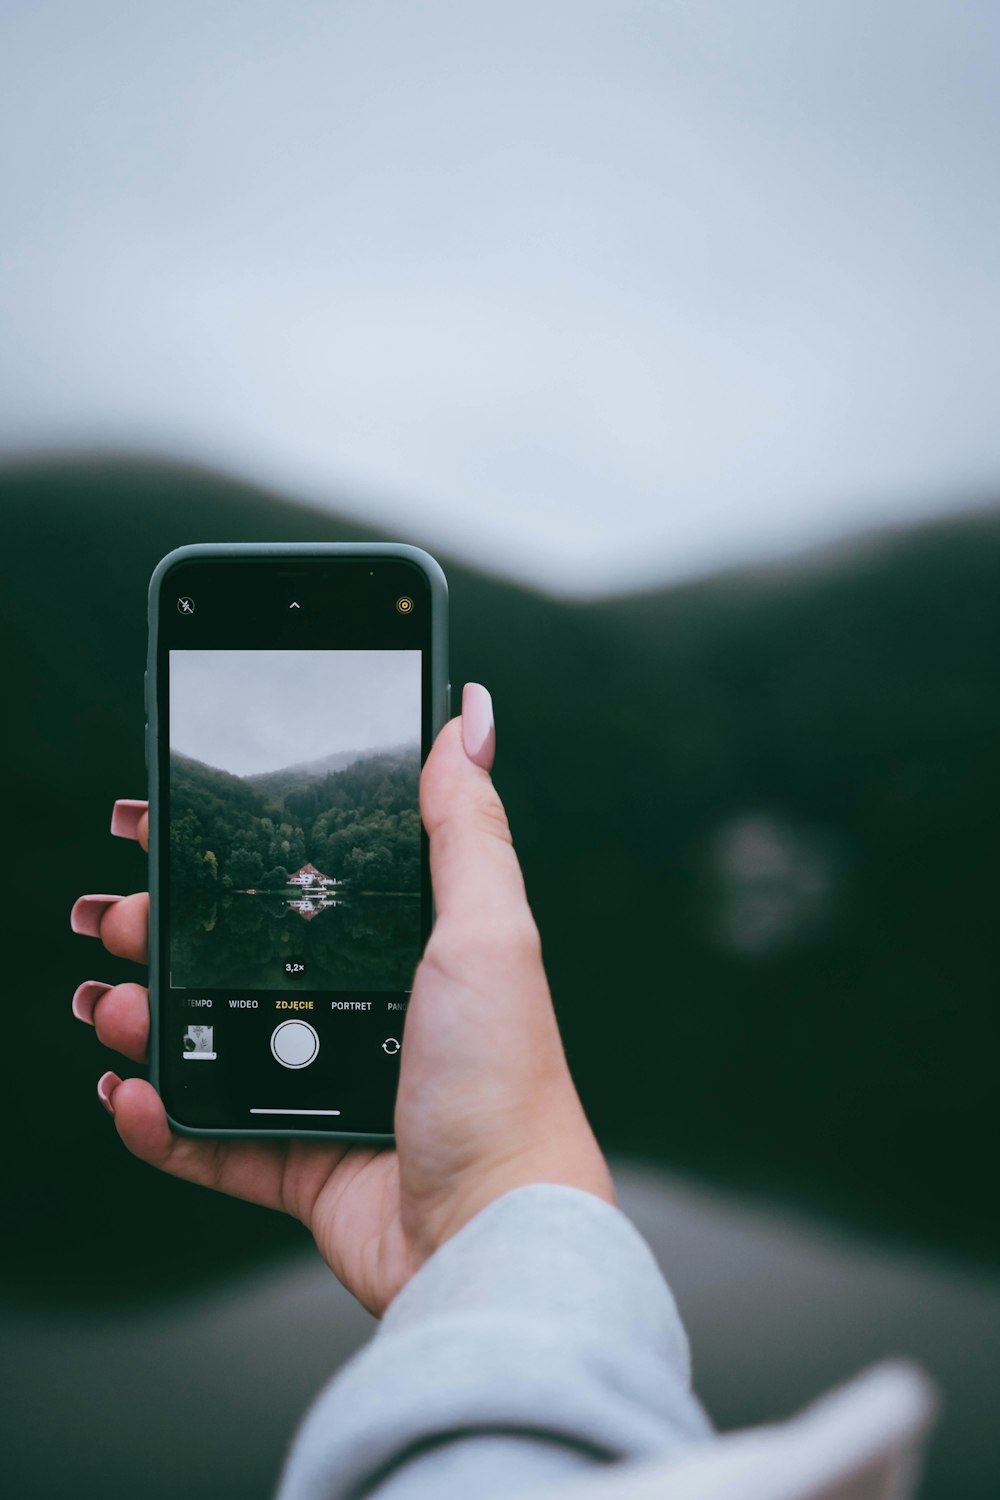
[294,1044]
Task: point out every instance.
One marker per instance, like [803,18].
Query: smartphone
[293,693]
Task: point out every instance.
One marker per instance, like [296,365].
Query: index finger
[130,820]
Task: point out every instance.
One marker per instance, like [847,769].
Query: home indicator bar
[295,1111]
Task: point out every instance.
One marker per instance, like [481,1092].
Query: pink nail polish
[125,817]
[478,733]
[106,1086]
[86,998]
[85,918]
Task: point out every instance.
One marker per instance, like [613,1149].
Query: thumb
[477,881]
[486,1102]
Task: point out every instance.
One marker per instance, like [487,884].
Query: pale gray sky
[591,291]
[253,711]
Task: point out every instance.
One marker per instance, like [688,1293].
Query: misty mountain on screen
[311,770]
[359,823]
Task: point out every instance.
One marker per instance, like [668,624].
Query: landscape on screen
[307,874]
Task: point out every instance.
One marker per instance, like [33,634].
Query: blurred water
[202,1395]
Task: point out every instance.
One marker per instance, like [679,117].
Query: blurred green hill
[758,818]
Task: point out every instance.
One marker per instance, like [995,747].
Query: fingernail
[125,817]
[106,1086]
[85,999]
[85,918]
[478,733]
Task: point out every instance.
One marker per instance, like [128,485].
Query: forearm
[540,1342]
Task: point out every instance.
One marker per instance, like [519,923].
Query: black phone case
[440,694]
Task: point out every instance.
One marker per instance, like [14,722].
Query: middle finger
[121,922]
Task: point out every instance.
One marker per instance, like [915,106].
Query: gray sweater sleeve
[537,1343]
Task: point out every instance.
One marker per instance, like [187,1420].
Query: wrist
[581,1167]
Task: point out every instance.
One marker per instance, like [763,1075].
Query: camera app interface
[293,894]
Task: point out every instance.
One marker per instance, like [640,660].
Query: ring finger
[119,1014]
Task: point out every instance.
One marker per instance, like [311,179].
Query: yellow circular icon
[404,605]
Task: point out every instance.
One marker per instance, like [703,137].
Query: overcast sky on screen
[590,293]
[252,711]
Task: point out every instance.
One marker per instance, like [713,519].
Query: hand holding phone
[486,1102]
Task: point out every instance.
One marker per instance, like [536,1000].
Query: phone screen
[294,708]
